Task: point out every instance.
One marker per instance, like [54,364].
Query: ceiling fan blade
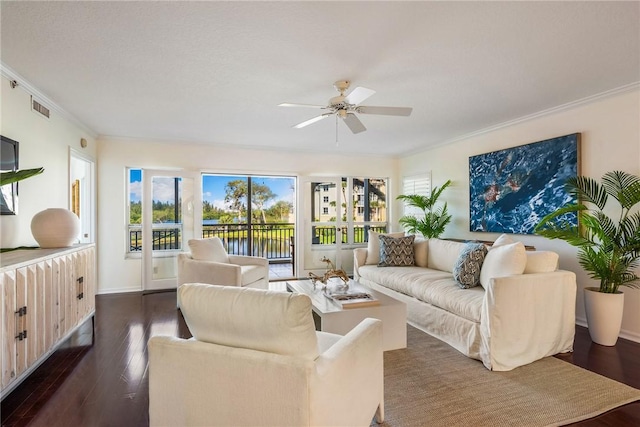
[354,123]
[386,111]
[289,104]
[311,121]
[358,95]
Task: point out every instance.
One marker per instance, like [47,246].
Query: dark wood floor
[102,379]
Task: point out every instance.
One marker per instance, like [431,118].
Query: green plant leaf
[624,187]
[19,175]
[587,190]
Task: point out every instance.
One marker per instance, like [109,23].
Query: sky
[212,187]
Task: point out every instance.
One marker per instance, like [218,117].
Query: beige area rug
[432,384]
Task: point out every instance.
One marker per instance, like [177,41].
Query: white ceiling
[214,72]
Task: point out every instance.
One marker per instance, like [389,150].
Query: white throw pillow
[373,246]
[504,260]
[503,239]
[541,262]
[208,250]
[270,321]
[443,254]
[421,251]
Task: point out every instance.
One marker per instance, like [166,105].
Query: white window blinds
[415,184]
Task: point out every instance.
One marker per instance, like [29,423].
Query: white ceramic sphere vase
[55,228]
[604,315]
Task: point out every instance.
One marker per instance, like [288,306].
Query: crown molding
[25,85]
[337,151]
[554,110]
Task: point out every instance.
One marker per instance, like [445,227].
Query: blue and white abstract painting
[511,190]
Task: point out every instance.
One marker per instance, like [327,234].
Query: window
[416,184]
[134,210]
[362,208]
[253,215]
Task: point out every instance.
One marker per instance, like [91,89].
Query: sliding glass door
[253,215]
[169,220]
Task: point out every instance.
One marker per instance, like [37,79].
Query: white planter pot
[604,315]
[55,228]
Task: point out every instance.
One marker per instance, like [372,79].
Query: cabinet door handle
[80,287]
[20,323]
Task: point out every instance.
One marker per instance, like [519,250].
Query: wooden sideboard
[46,295]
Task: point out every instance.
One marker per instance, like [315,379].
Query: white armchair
[209,263]
[256,360]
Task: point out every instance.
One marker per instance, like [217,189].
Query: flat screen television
[8,162]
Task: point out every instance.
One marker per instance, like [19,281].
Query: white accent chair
[255,359]
[209,263]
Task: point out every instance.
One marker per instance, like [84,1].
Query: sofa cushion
[435,287]
[421,251]
[210,249]
[466,271]
[443,254]
[541,262]
[504,260]
[269,321]
[396,251]
[373,246]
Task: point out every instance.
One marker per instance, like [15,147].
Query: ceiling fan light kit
[345,107]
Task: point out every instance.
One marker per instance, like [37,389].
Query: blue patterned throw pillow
[466,271]
[396,252]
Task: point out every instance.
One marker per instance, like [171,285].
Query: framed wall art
[511,190]
[9,163]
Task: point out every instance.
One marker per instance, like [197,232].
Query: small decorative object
[608,249]
[509,190]
[434,220]
[331,272]
[55,228]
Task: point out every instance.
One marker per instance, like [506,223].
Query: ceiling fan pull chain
[336,130]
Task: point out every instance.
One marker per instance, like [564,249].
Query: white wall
[610,129]
[43,143]
[118,274]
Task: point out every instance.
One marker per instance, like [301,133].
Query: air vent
[39,108]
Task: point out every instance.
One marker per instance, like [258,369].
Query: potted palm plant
[435,219]
[608,247]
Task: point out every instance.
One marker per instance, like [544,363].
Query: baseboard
[118,291]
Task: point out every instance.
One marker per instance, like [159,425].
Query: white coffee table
[337,320]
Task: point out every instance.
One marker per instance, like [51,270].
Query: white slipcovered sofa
[523,311]
[255,359]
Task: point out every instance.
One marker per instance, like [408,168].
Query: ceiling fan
[345,107]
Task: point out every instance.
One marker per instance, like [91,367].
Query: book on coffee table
[352,299]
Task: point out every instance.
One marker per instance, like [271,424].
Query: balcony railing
[326,234]
[273,241]
[169,238]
